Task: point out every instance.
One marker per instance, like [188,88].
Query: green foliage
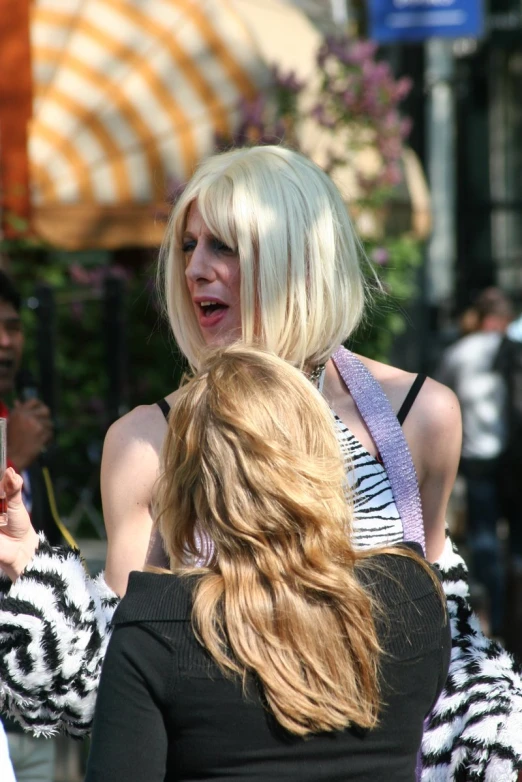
[82,418]
[397,261]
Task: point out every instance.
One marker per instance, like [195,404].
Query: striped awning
[130,94]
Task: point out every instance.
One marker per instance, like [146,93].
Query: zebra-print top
[376,518]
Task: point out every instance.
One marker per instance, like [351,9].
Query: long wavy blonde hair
[251,465]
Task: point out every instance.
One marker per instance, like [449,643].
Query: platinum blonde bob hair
[302,285]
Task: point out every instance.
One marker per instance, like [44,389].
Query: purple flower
[362,51]
[402,88]
[405,127]
[380,256]
[392,175]
[390,147]
[390,120]
[287,81]
[253,110]
[79,274]
[321,115]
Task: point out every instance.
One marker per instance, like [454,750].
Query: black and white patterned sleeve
[474,733]
[54,629]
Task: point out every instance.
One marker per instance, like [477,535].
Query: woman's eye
[220,247]
[188,246]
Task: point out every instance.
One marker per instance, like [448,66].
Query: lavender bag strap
[387,434]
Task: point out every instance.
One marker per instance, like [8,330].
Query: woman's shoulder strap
[411,396]
[387,434]
[164,407]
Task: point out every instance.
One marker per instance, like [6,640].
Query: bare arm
[433,429]
[129,469]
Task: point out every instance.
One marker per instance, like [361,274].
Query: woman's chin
[221,337]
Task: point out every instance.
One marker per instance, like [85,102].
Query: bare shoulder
[434,406]
[133,443]
[438,409]
[433,427]
[130,458]
[129,471]
[142,425]
[395,382]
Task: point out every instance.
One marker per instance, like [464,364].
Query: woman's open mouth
[211,312]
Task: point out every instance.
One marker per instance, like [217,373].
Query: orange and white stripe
[127,94]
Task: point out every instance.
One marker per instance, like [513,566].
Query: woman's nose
[200,265]
[6,338]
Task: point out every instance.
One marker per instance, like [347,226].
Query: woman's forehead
[195,223]
[194,218]
[212,216]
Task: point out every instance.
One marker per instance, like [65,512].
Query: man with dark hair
[509,364]
[29,431]
[29,425]
[467,367]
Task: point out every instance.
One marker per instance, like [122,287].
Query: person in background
[29,423]
[29,432]
[467,367]
[468,322]
[509,363]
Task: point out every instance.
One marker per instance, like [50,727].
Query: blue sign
[394,21]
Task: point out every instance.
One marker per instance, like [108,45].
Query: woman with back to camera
[288,655]
[260,247]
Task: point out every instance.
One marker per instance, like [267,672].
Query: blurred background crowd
[106,106]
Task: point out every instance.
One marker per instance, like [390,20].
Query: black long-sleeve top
[166,712]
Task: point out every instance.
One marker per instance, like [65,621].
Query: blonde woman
[260,247]
[288,654]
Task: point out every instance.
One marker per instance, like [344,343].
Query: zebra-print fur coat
[55,626]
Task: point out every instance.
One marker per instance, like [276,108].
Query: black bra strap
[164,407]
[410,398]
[401,415]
